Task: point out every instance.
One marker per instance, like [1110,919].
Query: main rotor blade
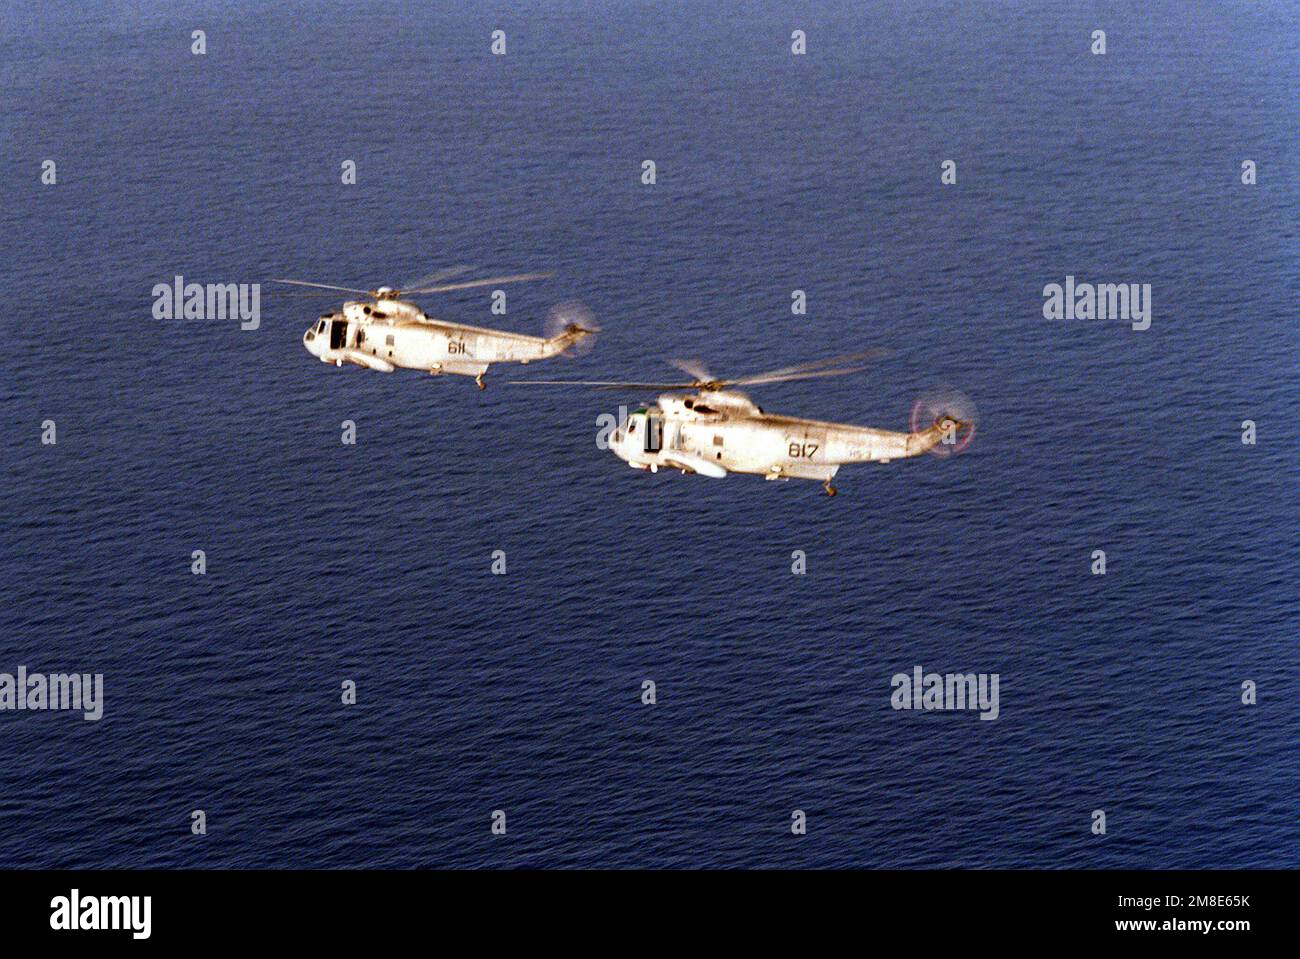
[789,377]
[448,287]
[316,293]
[434,277]
[604,384]
[695,368]
[322,286]
[851,363]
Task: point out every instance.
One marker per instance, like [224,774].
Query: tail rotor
[953,413]
[575,326]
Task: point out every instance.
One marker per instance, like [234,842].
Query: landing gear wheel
[830,490]
[479,380]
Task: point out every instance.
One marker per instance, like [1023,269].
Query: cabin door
[654,432]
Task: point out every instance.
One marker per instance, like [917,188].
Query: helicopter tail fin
[573,340]
[570,330]
[948,435]
[942,423]
[926,440]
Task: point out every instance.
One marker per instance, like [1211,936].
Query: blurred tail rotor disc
[948,407]
[572,318]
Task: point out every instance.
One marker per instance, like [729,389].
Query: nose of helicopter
[616,441]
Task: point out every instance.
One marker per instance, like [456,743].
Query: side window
[388,340]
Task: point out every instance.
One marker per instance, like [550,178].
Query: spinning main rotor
[418,287]
[707,382]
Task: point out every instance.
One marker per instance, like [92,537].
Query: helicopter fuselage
[390,334]
[714,433]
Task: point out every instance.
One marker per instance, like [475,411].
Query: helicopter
[717,429]
[386,331]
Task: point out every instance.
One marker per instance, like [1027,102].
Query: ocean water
[521,692]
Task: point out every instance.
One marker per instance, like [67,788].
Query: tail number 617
[803,451]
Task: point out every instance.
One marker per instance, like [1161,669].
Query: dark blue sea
[522,692]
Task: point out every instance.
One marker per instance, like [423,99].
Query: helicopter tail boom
[866,445]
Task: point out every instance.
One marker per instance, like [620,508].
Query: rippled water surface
[521,692]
